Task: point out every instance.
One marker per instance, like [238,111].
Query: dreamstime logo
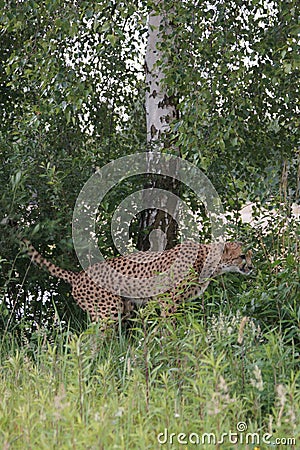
[240,436]
[89,202]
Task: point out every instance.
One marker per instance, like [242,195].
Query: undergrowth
[221,374]
[143,389]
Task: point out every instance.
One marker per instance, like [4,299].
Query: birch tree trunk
[160,112]
[160,109]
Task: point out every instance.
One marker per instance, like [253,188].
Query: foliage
[69,102]
[84,391]
[235,68]
[72,100]
[71,96]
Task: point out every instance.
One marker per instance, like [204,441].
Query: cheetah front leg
[187,290]
[168,304]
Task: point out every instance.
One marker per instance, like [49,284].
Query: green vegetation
[84,391]
[71,100]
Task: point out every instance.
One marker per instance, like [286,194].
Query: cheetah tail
[54,270]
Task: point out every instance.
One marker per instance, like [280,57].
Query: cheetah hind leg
[105,310]
[105,313]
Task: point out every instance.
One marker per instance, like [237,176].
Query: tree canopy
[72,99]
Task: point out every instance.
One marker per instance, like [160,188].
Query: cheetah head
[234,260]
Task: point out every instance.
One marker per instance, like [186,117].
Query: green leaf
[112,39]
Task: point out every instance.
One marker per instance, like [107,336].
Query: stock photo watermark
[153,163]
[239,436]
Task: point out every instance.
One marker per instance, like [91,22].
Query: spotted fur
[88,287]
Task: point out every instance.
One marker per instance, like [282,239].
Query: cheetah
[106,298]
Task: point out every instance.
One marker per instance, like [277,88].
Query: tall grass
[185,375]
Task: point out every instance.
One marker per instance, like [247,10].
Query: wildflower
[120,412]
[220,399]
[240,338]
[281,394]
[59,403]
[258,381]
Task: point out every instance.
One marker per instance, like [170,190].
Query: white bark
[159,110]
